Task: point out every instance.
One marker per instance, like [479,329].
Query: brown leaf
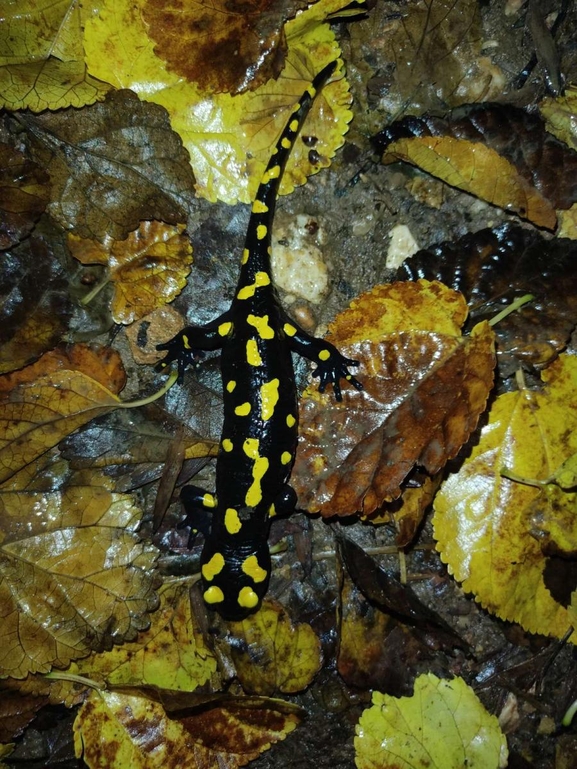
[222,46]
[517,135]
[423,393]
[491,268]
[112,165]
[16,712]
[24,193]
[148,268]
[35,303]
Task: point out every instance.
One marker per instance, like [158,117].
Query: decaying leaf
[42,57]
[526,152]
[73,576]
[23,195]
[35,302]
[121,729]
[289,654]
[493,532]
[424,388]
[230,138]
[221,46]
[559,114]
[442,726]
[113,165]
[492,268]
[148,268]
[170,654]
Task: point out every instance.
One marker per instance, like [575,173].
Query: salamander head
[235,578]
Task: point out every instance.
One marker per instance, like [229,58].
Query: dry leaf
[24,193]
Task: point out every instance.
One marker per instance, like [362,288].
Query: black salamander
[259,435]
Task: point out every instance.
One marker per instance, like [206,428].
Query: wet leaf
[148,268]
[24,193]
[42,57]
[559,114]
[38,414]
[16,712]
[548,167]
[112,165]
[435,46]
[230,138]
[170,654]
[492,268]
[116,729]
[476,169]
[424,388]
[73,576]
[442,726]
[35,302]
[491,531]
[289,655]
[243,41]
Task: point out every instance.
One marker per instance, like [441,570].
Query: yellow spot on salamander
[289,329]
[243,410]
[213,595]
[213,567]
[254,494]
[252,353]
[185,342]
[227,444]
[247,598]
[324,354]
[294,125]
[230,386]
[285,457]
[260,279]
[268,398]
[272,173]
[261,325]
[245,255]
[272,511]
[312,91]
[286,143]
[290,420]
[261,232]
[232,522]
[224,328]
[258,207]
[253,569]
[209,501]
[250,447]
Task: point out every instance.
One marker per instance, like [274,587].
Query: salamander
[259,435]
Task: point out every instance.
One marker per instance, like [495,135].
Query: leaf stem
[512,476]
[511,308]
[95,291]
[58,676]
[151,398]
[568,717]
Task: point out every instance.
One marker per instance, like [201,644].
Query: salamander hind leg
[331,365]
[198,505]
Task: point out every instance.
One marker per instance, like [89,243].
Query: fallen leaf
[73,576]
[492,268]
[112,165]
[559,115]
[230,138]
[518,136]
[289,654]
[424,388]
[16,712]
[35,302]
[116,729]
[442,726]
[490,529]
[148,268]
[24,193]
[244,42]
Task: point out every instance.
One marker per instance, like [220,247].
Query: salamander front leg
[198,505]
[285,503]
[188,346]
[331,365]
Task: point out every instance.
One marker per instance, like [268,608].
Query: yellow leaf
[560,114]
[42,58]
[39,414]
[73,576]
[477,169]
[229,138]
[171,654]
[124,730]
[289,655]
[148,268]
[442,726]
[490,529]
